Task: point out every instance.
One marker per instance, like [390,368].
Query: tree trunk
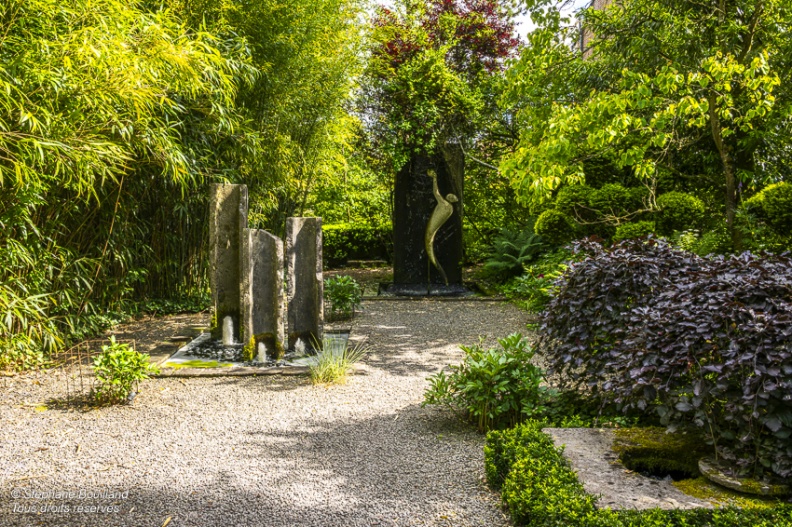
[724,149]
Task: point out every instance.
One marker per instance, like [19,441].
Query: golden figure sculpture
[443,211]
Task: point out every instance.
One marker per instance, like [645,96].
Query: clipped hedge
[555,227]
[636,229]
[678,212]
[541,490]
[347,241]
[777,206]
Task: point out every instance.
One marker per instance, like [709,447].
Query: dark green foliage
[119,369]
[344,241]
[343,294]
[534,287]
[717,331]
[777,206]
[555,227]
[494,387]
[678,212]
[574,201]
[512,250]
[633,230]
[541,490]
[611,200]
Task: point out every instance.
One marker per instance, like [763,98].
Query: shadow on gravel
[415,467]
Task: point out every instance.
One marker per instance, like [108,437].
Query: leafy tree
[431,73]
[308,56]
[663,83]
[111,115]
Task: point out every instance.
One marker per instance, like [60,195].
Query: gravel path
[265,451]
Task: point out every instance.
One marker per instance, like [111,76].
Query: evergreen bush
[777,206]
[345,241]
[633,230]
[678,211]
[555,227]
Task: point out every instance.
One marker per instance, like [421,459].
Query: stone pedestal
[228,206]
[304,282]
[261,291]
[414,203]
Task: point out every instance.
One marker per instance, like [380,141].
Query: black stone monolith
[414,203]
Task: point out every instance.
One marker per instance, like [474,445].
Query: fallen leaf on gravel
[167,521]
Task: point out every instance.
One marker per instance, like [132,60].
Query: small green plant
[335,360]
[343,293]
[512,250]
[494,387]
[532,290]
[118,371]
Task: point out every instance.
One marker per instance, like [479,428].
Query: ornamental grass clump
[335,360]
[702,342]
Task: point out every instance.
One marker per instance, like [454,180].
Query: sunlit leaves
[656,76]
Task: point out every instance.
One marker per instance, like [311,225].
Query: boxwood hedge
[539,489]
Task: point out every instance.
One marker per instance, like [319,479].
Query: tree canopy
[673,89]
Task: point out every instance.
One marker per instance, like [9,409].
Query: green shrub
[610,200]
[541,490]
[573,200]
[538,486]
[777,206]
[757,235]
[638,198]
[511,251]
[345,241]
[493,387]
[716,241]
[555,227]
[678,212]
[633,230]
[533,288]
[342,293]
[335,360]
[119,369]
[504,447]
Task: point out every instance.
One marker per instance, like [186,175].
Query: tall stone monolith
[304,282]
[261,291]
[228,206]
[421,185]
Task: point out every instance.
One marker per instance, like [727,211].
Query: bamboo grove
[115,115]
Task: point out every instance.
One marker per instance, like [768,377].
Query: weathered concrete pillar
[228,206]
[261,291]
[304,282]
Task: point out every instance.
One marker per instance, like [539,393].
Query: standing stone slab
[228,205]
[304,282]
[414,204]
[261,291]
